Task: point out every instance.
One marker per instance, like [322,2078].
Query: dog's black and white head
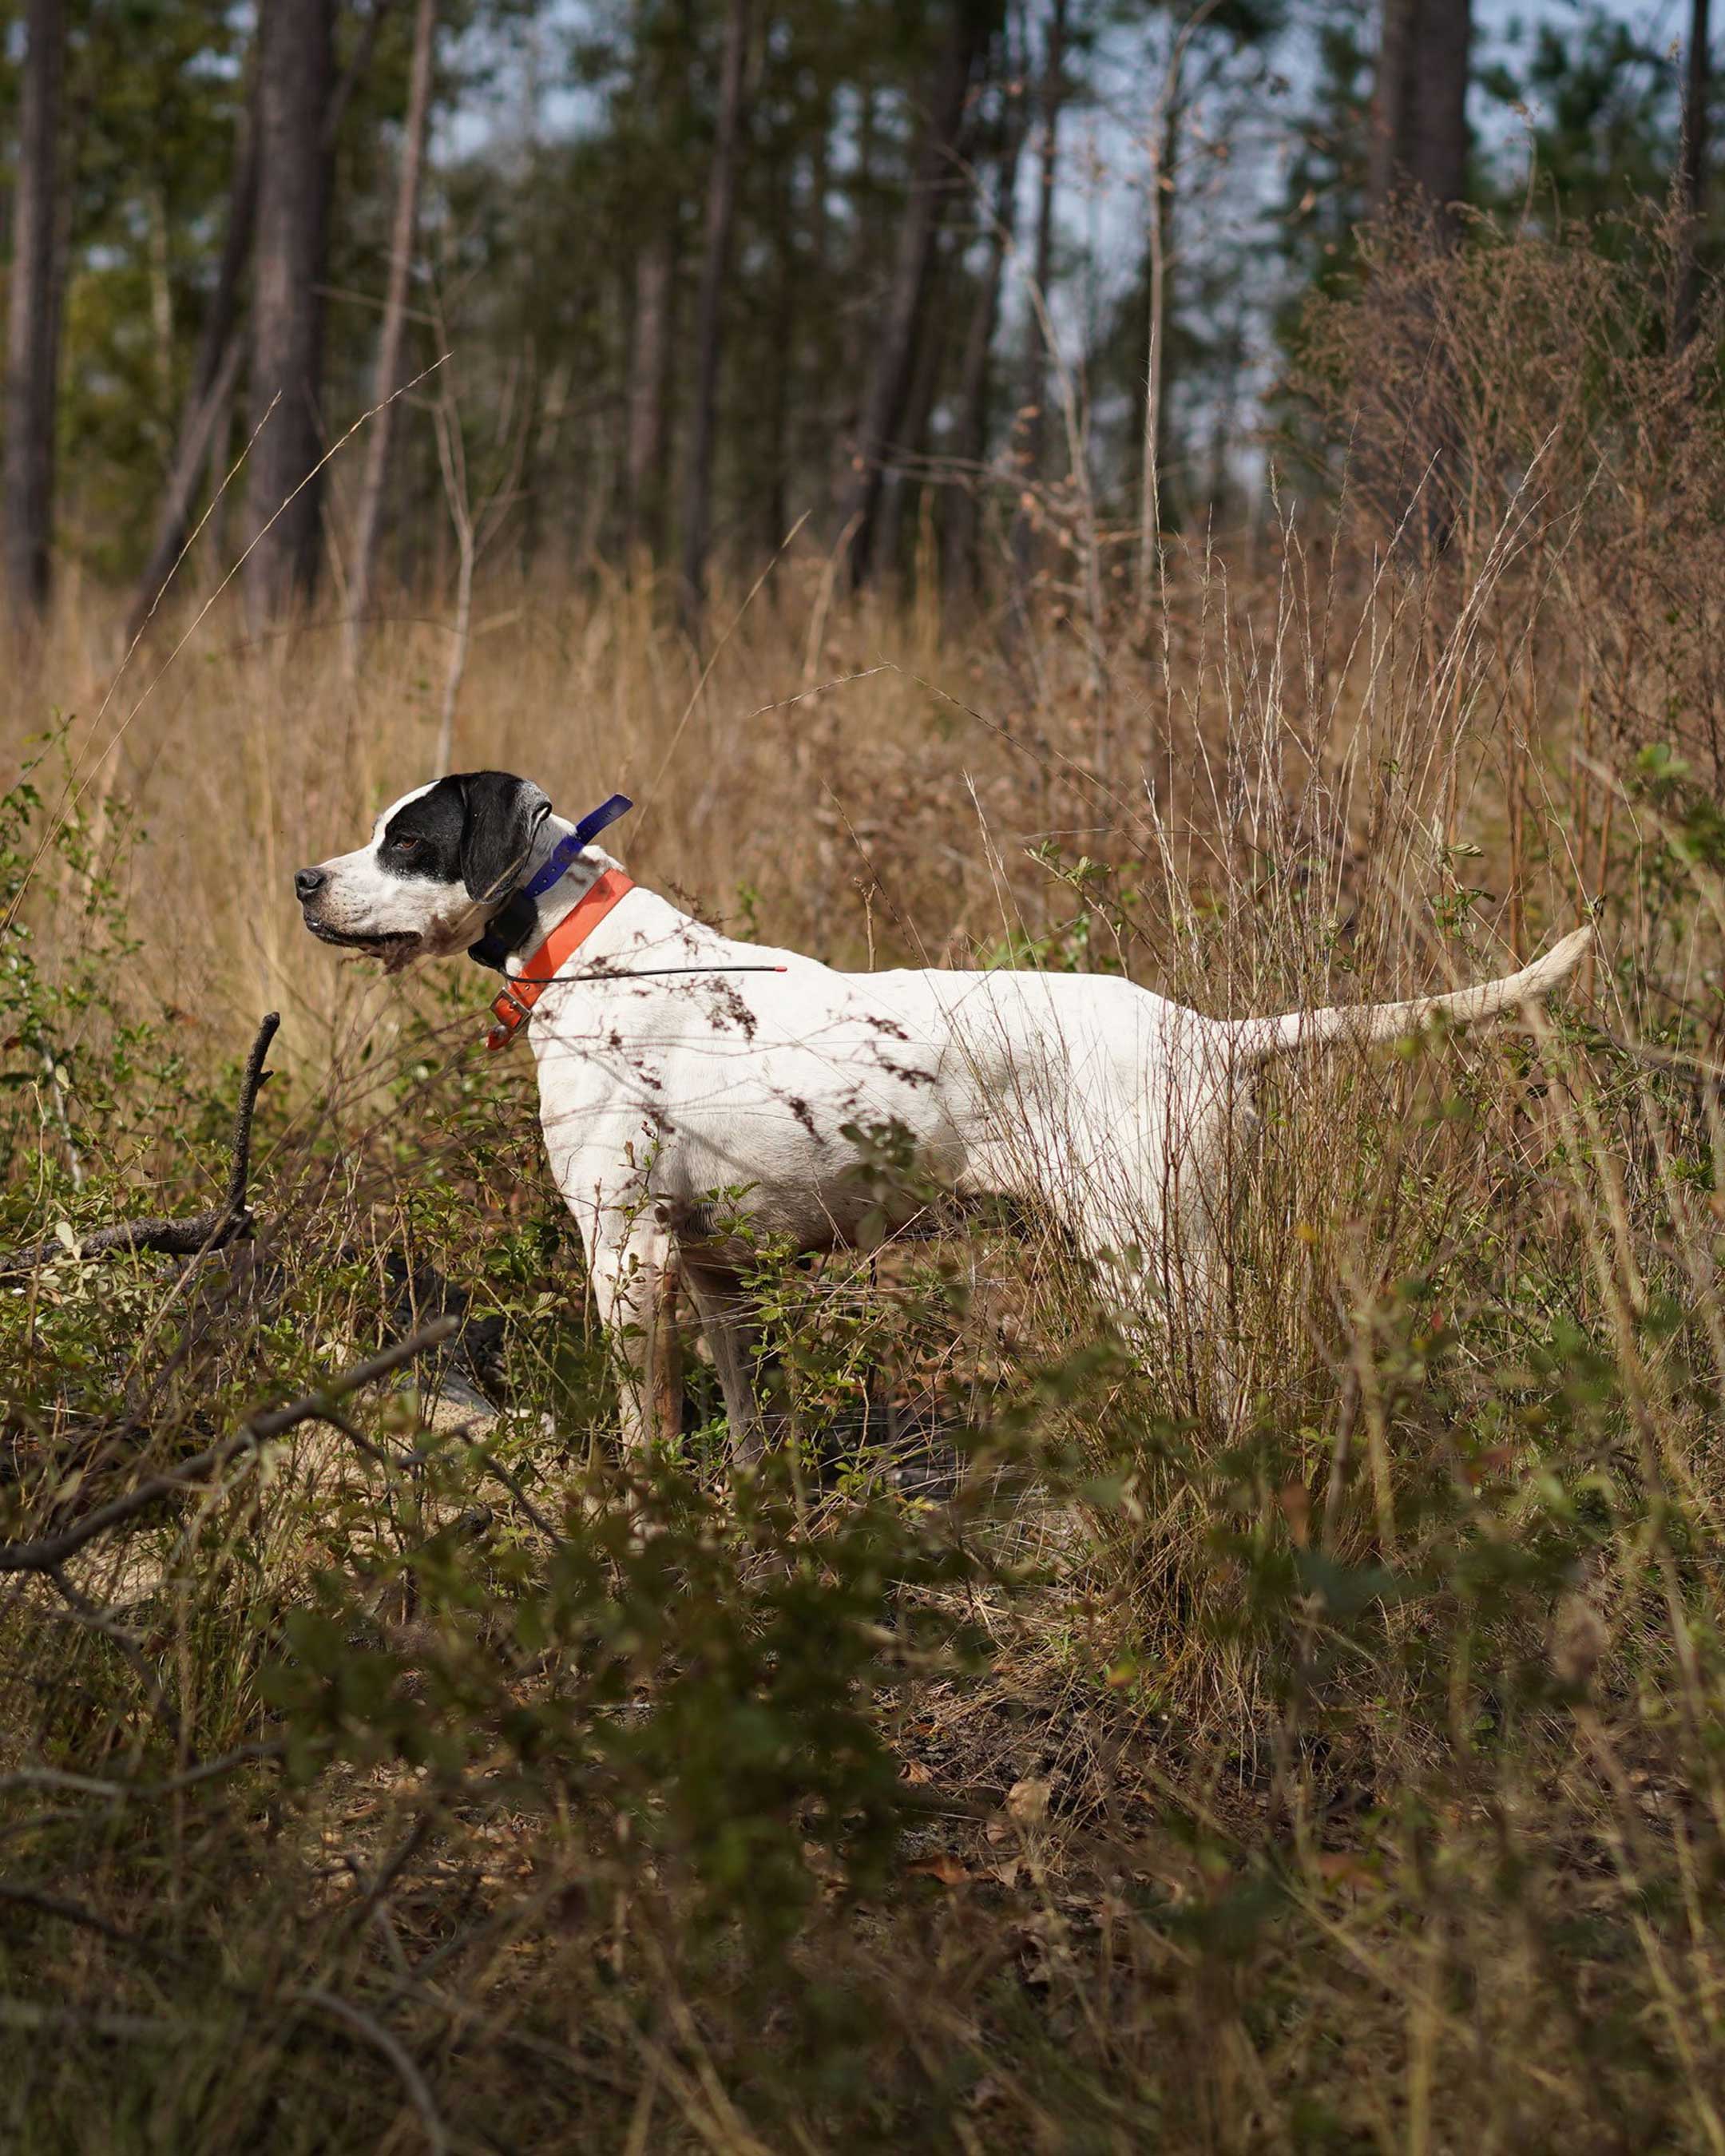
[441,861]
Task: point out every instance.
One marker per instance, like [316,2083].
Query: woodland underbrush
[1302,1732]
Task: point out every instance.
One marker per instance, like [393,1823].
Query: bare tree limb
[1692,175]
[200,1232]
[220,353]
[197,429]
[369,522]
[358,66]
[65,1783]
[45,1904]
[546,1527]
[392,2049]
[46,1553]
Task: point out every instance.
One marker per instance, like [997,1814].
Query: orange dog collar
[514,1006]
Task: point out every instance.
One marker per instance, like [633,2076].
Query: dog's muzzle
[309,886]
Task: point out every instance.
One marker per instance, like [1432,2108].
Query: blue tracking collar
[584,835]
[512,925]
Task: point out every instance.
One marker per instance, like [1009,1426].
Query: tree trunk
[716,262]
[358,66]
[664,94]
[1224,417]
[775,460]
[1152,482]
[1692,178]
[161,296]
[1417,155]
[972,25]
[1419,124]
[34,334]
[220,350]
[902,482]
[1032,435]
[393,335]
[219,466]
[649,391]
[284,496]
[975,372]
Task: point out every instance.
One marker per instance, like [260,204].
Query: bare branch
[358,66]
[200,1232]
[46,1553]
[67,1783]
[391,2046]
[547,1527]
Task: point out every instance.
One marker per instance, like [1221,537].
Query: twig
[378,1892]
[511,1483]
[379,1454]
[391,2046]
[200,1232]
[69,1783]
[46,1553]
[18,1896]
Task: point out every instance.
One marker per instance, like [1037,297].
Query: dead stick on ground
[201,1232]
[45,1552]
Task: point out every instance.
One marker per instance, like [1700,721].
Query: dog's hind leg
[1158,1260]
[722,1305]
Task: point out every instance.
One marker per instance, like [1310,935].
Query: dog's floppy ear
[500,817]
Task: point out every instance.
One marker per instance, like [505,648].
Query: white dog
[688,1080]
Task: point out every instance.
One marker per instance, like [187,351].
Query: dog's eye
[406,843]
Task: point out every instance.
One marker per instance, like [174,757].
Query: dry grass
[1300,1737]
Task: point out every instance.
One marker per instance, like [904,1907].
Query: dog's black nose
[308,882]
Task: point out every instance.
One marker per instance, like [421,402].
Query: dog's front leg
[634,1288]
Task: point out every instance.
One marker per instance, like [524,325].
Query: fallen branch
[230,1221]
[47,1552]
[61,1781]
[392,2049]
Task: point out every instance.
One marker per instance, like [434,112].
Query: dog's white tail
[1256,1039]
